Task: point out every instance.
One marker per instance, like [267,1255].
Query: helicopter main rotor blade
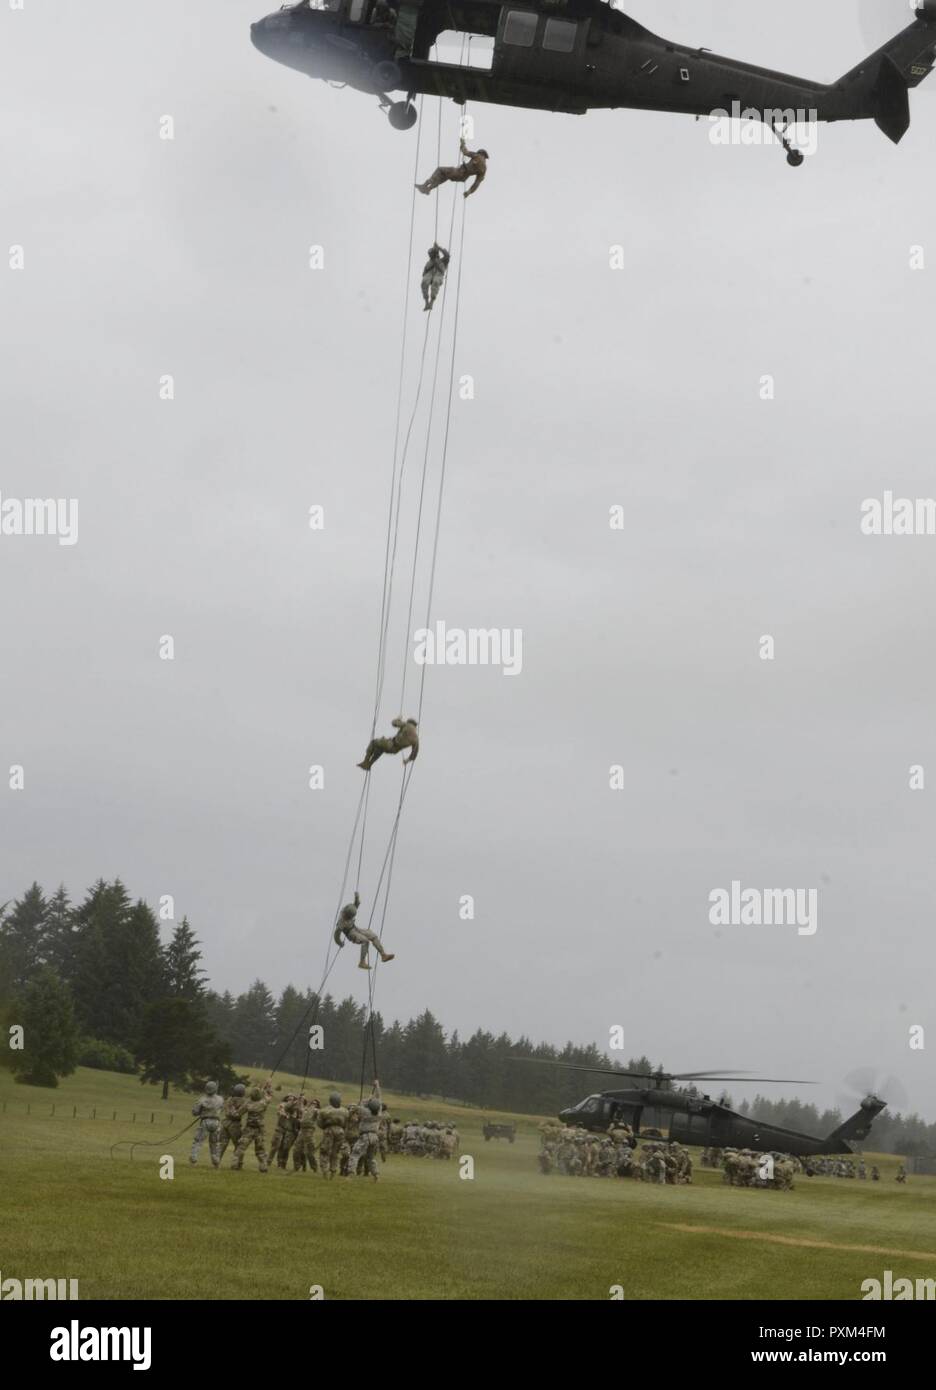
[739,1078]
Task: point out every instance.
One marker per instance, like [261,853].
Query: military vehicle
[499,1131]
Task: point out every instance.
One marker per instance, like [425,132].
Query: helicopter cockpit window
[520,28]
[559,36]
[591,1106]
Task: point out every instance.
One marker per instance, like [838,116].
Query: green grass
[67,1209]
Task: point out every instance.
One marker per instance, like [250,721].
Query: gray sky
[594,387]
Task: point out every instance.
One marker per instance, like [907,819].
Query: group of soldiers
[332,1139]
[581,1153]
[426,1139]
[749,1168]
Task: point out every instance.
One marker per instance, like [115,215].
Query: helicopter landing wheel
[402,115]
[795,158]
[386,76]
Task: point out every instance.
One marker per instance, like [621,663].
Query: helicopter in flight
[697,1119]
[579,55]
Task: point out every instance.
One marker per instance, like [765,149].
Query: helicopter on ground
[580,55]
[697,1119]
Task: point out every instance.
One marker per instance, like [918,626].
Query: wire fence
[44,1111]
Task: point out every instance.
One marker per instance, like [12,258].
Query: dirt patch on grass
[796,1240]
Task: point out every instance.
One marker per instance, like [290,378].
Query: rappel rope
[407,771]
[395,506]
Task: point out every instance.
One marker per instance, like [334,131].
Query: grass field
[70,1210]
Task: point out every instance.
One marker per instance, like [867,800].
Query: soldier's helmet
[210,1087]
[334,1099]
[484,153]
[255,1093]
[240,1089]
[374,1106]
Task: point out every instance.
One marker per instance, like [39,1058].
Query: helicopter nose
[263,32]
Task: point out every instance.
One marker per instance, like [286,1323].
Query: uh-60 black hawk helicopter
[697,1119]
[579,55]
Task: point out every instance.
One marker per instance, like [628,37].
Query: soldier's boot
[387,955]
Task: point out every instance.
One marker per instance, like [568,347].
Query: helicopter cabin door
[539,49]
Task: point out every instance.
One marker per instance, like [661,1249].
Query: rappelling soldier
[475,166]
[433,274]
[361,936]
[407,736]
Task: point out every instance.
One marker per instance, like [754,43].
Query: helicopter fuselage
[699,1120]
[574,56]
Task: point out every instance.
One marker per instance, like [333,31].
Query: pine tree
[184,978]
[47,1016]
[23,936]
[178,1046]
[253,1033]
[61,935]
[119,966]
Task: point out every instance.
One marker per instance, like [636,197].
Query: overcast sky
[593,387]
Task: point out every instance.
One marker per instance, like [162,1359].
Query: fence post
[152,1116]
[115,1114]
[134,1117]
[74,1112]
[53,1109]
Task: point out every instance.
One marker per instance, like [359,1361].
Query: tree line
[91,984]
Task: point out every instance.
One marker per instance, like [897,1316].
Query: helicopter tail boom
[881,84]
[857,1126]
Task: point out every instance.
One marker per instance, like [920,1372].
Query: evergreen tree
[61,935]
[253,1031]
[50,1033]
[118,964]
[184,978]
[23,936]
[178,1046]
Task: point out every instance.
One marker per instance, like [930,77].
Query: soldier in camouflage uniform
[383,1132]
[396,1136]
[433,274]
[304,1148]
[406,736]
[208,1110]
[361,936]
[284,1134]
[352,1130]
[231,1117]
[367,1144]
[252,1130]
[332,1120]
